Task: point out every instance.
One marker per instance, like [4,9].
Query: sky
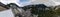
[22,3]
[18,2]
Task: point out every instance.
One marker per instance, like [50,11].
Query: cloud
[10,1]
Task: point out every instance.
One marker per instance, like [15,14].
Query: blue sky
[18,2]
[24,0]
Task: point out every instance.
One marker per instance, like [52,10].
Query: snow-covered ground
[8,13]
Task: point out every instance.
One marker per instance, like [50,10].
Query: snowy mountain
[8,13]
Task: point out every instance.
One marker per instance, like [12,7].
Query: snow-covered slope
[6,13]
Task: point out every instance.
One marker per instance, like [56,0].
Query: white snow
[6,13]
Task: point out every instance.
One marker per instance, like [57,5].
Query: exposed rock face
[3,6]
[41,10]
